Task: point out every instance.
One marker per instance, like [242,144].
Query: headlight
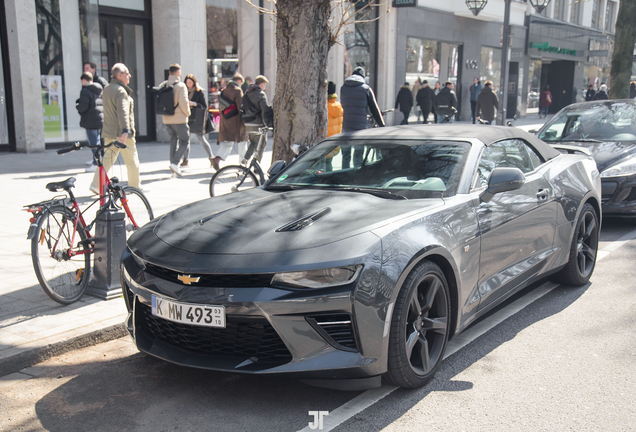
[322,278]
[625,168]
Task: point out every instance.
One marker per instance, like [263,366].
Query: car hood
[259,221]
[606,153]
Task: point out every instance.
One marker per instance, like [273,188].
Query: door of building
[559,75]
[127,40]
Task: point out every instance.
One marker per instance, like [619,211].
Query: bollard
[110,242]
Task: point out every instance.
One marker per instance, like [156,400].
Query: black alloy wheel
[419,328]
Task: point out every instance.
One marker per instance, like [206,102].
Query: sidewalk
[32,326]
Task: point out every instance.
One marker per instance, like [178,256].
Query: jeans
[204,142]
[544,111]
[440,118]
[405,120]
[473,108]
[179,133]
[93,140]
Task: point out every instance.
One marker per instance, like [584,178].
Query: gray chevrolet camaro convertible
[362,258]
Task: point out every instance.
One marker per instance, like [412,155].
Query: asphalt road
[552,359]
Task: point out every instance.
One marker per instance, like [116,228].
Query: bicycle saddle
[66,185]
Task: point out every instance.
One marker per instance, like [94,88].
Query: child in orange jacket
[334,125]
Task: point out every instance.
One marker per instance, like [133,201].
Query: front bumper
[619,196]
[269,330]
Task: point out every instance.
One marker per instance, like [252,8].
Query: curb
[34,356]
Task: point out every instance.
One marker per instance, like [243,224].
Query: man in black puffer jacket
[89,105]
[356,98]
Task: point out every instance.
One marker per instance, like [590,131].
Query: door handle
[543,194]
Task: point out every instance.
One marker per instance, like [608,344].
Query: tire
[62,278]
[419,328]
[139,208]
[583,250]
[232,178]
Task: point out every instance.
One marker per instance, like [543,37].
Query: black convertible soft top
[486,134]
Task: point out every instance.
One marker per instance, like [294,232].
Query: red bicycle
[61,242]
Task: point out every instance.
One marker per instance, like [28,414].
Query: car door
[517,227]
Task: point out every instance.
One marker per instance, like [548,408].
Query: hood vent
[304,221]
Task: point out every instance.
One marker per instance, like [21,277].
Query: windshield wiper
[376,192]
[285,187]
[583,140]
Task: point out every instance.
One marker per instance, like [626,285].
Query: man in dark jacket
[404,101]
[256,112]
[425,99]
[91,110]
[92,68]
[486,103]
[601,94]
[445,102]
[589,94]
[475,89]
[356,98]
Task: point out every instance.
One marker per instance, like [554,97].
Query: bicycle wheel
[62,277]
[230,179]
[139,209]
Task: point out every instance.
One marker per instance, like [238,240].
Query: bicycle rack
[110,242]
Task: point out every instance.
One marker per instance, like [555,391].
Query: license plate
[186,313]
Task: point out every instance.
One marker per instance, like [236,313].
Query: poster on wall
[52,100]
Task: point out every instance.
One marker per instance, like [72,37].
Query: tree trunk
[622,56]
[303,39]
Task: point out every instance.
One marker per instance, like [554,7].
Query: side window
[512,153]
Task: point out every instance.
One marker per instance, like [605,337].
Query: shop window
[222,44]
[432,61]
[361,44]
[490,66]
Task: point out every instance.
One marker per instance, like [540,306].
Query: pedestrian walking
[416,88]
[356,98]
[601,94]
[231,127]
[91,111]
[92,68]
[436,90]
[119,124]
[426,100]
[475,90]
[177,123]
[445,102]
[545,100]
[589,94]
[334,124]
[256,112]
[404,101]
[199,109]
[486,103]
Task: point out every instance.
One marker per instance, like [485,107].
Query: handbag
[197,120]
[548,98]
[209,123]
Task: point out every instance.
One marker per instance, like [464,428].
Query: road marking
[370,397]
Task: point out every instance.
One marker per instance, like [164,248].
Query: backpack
[248,110]
[163,96]
[224,103]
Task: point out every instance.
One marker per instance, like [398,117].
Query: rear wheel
[232,178]
[63,276]
[139,208]
[583,249]
[419,327]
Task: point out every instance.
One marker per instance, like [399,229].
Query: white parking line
[370,397]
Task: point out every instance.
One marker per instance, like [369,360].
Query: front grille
[337,329]
[213,280]
[130,296]
[242,337]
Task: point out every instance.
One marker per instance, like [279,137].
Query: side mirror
[276,168]
[533,131]
[502,180]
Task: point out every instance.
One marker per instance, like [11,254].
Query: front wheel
[61,266]
[137,208]
[232,178]
[419,328]
[583,249]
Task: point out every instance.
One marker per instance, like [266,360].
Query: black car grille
[242,337]
[213,280]
[337,329]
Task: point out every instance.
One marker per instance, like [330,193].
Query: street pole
[503,103]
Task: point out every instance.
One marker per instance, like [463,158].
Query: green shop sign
[545,47]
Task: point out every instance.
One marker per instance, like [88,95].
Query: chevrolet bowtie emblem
[187,279]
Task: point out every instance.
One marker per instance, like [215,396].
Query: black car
[362,258]
[607,130]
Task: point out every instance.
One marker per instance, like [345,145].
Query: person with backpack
[91,110]
[231,127]
[404,101]
[177,122]
[256,111]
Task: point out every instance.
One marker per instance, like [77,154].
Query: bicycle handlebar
[79,145]
[75,146]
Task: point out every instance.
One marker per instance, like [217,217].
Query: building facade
[44,44]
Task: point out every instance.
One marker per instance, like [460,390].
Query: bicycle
[62,265]
[235,178]
[371,121]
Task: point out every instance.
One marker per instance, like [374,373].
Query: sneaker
[94,190]
[175,169]
[214,163]
[91,168]
[184,164]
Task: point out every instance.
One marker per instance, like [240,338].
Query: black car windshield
[396,168]
[610,121]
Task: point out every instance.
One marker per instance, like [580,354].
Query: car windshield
[391,169]
[611,121]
